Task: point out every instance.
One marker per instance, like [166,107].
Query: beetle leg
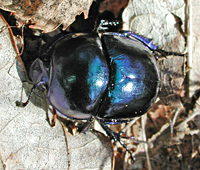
[85,126]
[53,120]
[165,53]
[148,42]
[116,137]
[23,104]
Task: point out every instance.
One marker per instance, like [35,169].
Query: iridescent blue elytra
[112,77]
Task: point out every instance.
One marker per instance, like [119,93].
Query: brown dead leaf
[47,15]
[156,120]
[166,155]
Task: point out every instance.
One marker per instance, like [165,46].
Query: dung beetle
[112,77]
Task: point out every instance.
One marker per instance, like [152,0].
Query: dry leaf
[157,20]
[47,15]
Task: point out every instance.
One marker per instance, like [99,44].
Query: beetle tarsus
[124,145]
[116,137]
[20,104]
[23,104]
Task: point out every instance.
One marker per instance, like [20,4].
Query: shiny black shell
[111,78]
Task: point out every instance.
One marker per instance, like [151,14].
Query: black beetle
[112,78]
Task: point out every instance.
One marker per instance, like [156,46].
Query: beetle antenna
[23,104]
[116,137]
